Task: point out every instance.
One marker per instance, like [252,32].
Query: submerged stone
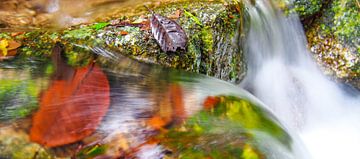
[231,128]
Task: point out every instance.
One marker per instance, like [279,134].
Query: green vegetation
[17,98]
[234,123]
[307,8]
[207,24]
[333,37]
[91,152]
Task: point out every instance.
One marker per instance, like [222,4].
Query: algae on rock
[211,28]
[334,39]
[241,127]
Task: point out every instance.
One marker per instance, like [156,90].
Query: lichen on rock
[212,28]
[334,39]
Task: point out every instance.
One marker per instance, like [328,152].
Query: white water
[284,76]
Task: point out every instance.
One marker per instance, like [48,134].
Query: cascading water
[283,75]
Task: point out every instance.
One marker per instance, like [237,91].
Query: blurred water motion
[66,113]
[31,14]
[282,73]
[151,112]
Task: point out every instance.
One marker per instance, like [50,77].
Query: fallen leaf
[145,25]
[16,33]
[157,122]
[73,105]
[122,32]
[8,47]
[3,47]
[171,108]
[176,15]
[169,35]
[210,102]
[177,99]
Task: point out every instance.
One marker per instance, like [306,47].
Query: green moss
[206,23]
[99,26]
[91,152]
[306,8]
[17,98]
[333,37]
[233,123]
[192,17]
[81,33]
[5,36]
[15,144]
[346,23]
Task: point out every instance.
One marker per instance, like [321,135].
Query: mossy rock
[334,39]
[231,128]
[15,144]
[306,8]
[212,28]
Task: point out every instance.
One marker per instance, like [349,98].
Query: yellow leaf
[249,153]
[3,44]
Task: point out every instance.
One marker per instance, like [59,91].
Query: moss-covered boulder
[334,39]
[230,127]
[211,27]
[306,8]
[15,144]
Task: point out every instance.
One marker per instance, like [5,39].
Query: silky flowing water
[283,75]
[116,107]
[146,111]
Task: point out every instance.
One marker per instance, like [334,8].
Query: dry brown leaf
[169,35]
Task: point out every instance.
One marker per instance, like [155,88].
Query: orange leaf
[176,97]
[157,122]
[210,102]
[122,32]
[73,106]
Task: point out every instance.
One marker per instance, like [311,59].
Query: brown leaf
[177,99]
[171,108]
[176,15]
[73,106]
[16,33]
[10,48]
[13,45]
[167,33]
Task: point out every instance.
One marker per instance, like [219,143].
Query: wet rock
[230,128]
[334,39]
[213,29]
[307,8]
[15,144]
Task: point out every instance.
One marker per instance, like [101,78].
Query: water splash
[284,76]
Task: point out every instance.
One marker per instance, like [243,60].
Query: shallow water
[116,107]
[19,15]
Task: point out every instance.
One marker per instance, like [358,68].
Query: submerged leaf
[3,46]
[73,106]
[167,33]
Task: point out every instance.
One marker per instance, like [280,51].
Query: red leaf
[73,106]
[210,102]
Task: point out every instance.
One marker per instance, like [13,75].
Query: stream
[110,106]
[284,76]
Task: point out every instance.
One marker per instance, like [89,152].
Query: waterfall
[282,73]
